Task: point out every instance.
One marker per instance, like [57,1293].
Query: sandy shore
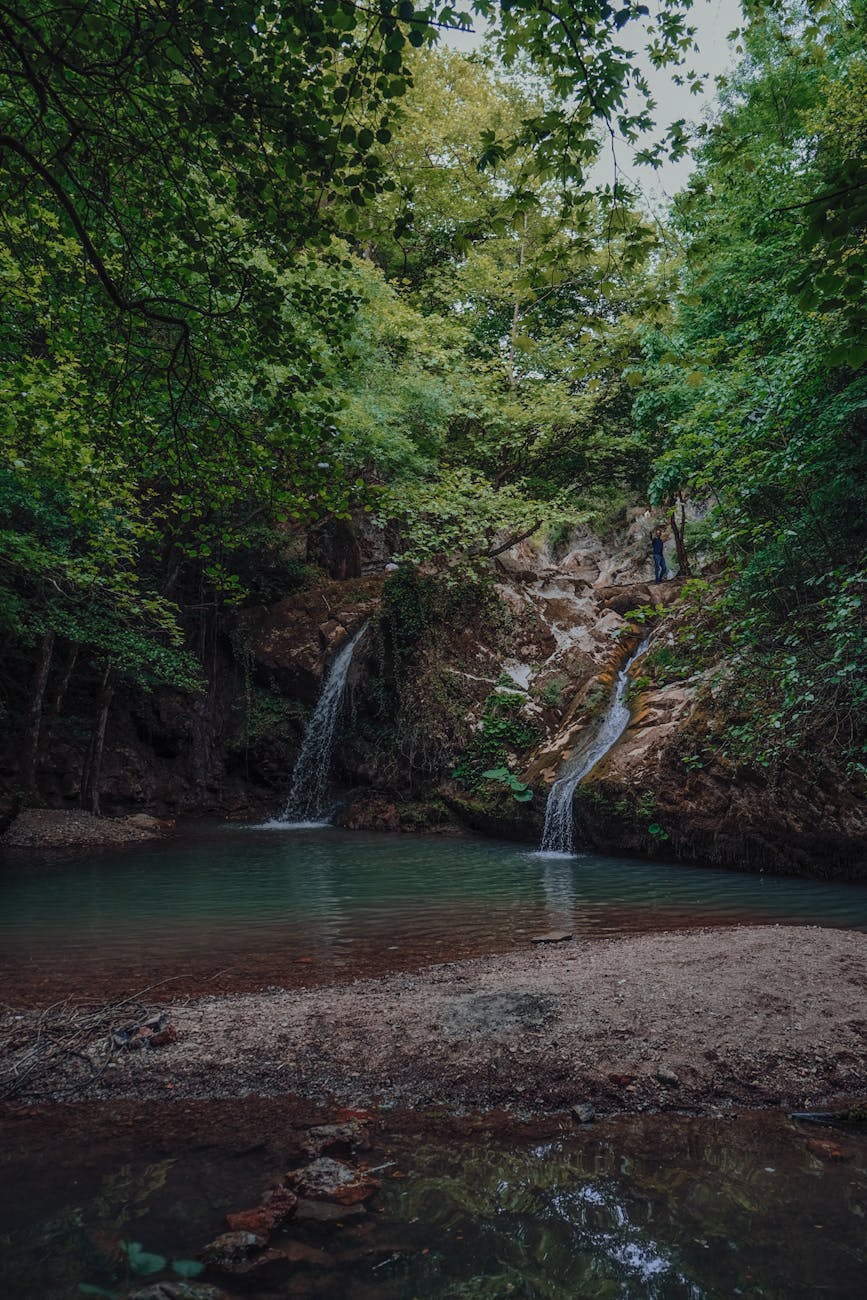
[692,1019]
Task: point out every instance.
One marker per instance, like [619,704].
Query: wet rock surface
[326,1179]
[277,1206]
[583,1112]
[232,1249]
[295,1233]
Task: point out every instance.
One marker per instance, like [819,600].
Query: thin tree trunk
[516,311]
[60,693]
[34,716]
[679,542]
[93,762]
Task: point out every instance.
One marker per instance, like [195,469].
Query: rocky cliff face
[463,679]
[228,752]
[660,791]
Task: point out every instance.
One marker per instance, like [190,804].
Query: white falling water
[558,828]
[306,804]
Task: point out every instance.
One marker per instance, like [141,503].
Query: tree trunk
[516,310]
[30,755]
[205,762]
[60,693]
[93,761]
[684,570]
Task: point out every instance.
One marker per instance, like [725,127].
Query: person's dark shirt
[657,546]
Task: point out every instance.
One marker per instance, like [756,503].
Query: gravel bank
[55,828]
[694,1019]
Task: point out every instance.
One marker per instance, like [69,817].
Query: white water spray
[558,829]
[306,804]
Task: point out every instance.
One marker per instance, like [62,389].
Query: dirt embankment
[696,1020]
[55,828]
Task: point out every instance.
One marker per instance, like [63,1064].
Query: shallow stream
[632,1208]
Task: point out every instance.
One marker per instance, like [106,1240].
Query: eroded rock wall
[535,659]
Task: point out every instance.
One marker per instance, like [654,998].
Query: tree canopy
[263,265]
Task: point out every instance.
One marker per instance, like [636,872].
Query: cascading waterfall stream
[558,828]
[306,803]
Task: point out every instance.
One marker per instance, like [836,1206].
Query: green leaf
[187,1267]
[143,1262]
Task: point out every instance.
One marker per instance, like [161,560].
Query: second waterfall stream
[307,803]
[557,834]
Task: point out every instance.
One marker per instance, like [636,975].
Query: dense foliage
[264,265]
[756,392]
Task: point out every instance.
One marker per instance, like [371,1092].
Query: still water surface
[246,905]
[651,1206]
[634,1208]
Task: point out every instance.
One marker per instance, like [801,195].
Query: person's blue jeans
[660,572]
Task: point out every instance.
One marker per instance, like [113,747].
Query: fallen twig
[38,1044]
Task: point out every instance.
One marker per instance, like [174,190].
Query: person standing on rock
[660,571]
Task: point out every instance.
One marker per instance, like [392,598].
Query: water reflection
[648,1207]
[640,1208]
[315,895]
[558,882]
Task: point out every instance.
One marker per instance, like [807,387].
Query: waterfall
[557,832]
[306,803]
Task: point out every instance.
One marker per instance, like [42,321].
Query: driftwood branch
[67,1043]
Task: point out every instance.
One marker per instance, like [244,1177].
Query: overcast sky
[713,20]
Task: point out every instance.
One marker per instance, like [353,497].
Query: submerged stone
[227,1249]
[178,1291]
[326,1212]
[279,1205]
[331,1180]
[169,1290]
[330,1138]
